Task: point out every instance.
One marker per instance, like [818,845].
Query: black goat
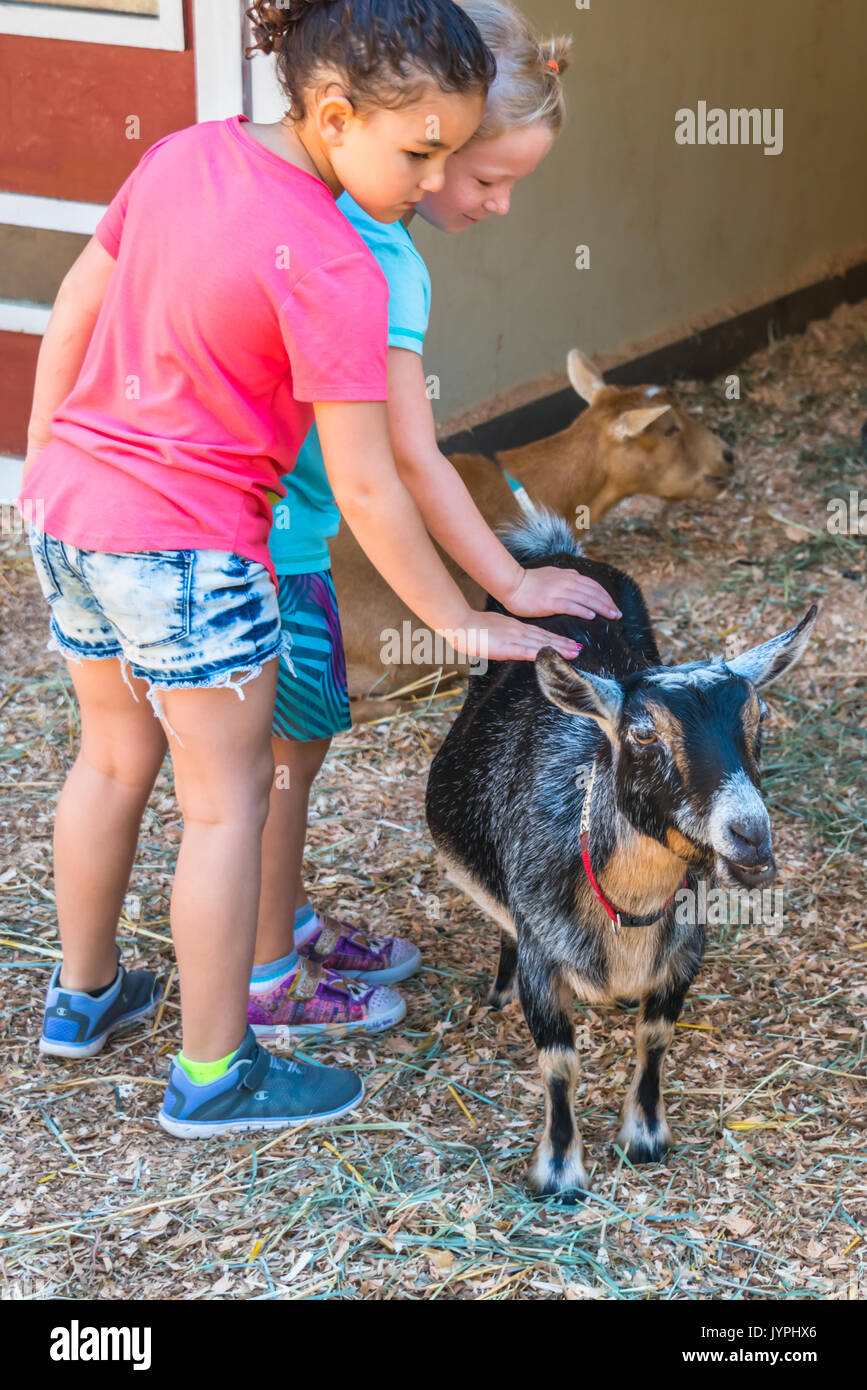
[571,801]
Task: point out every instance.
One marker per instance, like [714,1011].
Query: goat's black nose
[729,455]
[751,842]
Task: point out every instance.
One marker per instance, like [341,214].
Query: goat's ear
[773,659]
[577,692]
[632,423]
[584,375]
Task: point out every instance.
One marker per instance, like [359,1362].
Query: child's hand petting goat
[553,590]
[497,637]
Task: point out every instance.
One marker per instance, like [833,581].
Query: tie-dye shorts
[314,703]
[179,619]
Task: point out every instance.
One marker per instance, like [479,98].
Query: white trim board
[11,474]
[226,82]
[218,52]
[165,30]
[49,214]
[22,316]
[266,101]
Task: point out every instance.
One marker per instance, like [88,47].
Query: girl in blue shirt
[315,974]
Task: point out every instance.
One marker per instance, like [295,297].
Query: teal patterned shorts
[314,703]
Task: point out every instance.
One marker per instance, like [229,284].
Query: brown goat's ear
[634,422]
[584,375]
[577,692]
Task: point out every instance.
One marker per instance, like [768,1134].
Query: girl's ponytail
[272,24]
[528,87]
[554,53]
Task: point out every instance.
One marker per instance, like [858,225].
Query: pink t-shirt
[241,294]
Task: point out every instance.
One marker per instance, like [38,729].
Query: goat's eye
[673,429]
[763,711]
[645,739]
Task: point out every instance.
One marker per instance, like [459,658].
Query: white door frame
[226,83]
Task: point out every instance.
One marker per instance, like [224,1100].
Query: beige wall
[678,235]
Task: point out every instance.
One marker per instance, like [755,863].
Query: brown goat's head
[648,443]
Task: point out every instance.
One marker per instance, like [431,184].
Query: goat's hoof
[567,1196]
[643,1143]
[559,1176]
[646,1153]
[499,998]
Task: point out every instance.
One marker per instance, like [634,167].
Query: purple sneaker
[377,960]
[311,1001]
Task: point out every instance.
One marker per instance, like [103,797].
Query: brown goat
[631,439]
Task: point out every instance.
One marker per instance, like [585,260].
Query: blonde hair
[527,89]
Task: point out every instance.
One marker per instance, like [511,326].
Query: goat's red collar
[618,918]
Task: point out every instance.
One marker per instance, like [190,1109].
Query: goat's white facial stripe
[735,800]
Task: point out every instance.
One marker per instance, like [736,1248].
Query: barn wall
[675,232]
[18,353]
[66,135]
[679,237]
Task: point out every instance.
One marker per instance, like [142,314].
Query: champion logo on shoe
[61,1012]
[261,1095]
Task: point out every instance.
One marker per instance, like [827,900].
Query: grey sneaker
[77,1025]
[258,1091]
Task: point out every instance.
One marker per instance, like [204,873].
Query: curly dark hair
[386,51]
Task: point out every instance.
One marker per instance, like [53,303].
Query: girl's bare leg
[283,844]
[223,776]
[99,815]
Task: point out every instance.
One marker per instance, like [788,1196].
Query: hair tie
[552,63]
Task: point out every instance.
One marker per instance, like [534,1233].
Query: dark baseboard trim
[702,355]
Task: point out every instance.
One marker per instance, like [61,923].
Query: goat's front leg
[558,1162]
[505,987]
[645,1135]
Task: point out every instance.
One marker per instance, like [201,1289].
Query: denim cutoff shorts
[180,619]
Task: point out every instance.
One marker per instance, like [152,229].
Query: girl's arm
[65,342]
[386,522]
[453,518]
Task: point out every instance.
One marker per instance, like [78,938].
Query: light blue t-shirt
[306,518]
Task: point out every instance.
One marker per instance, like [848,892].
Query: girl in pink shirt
[224,302]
